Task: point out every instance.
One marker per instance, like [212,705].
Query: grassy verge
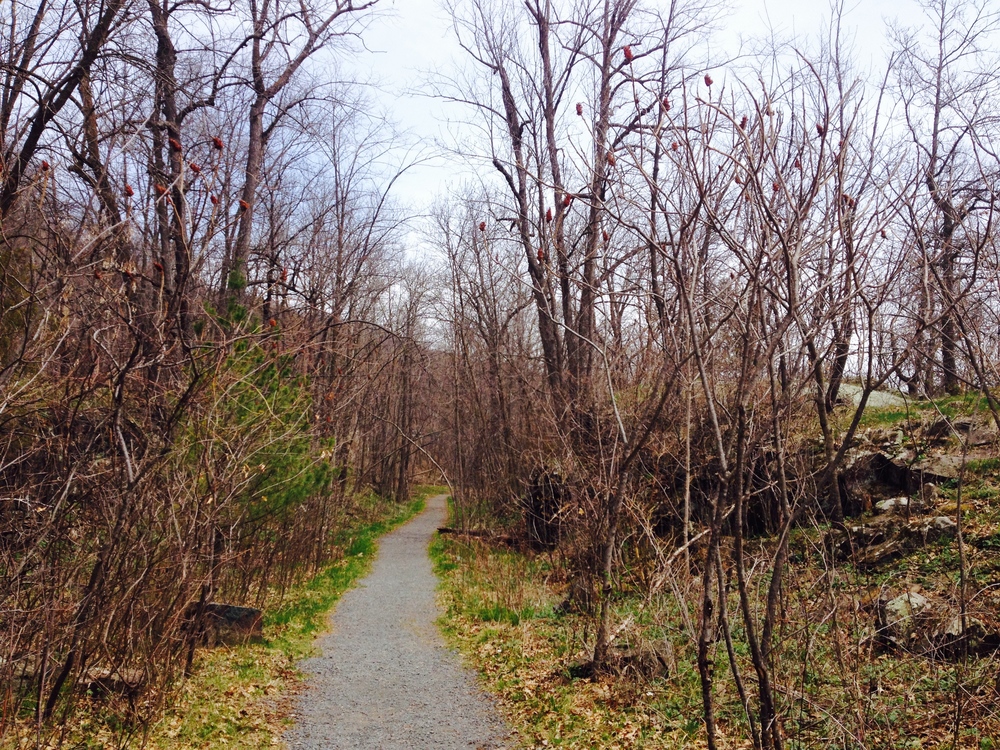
[832,682]
[239,696]
[500,614]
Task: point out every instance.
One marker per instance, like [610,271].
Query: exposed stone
[953,627]
[940,527]
[108,681]
[970,430]
[869,544]
[897,618]
[939,429]
[932,628]
[882,554]
[899,505]
[929,494]
[950,640]
[981,437]
[964,425]
[908,475]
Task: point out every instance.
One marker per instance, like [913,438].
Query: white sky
[414,37]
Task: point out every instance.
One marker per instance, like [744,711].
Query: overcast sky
[413,37]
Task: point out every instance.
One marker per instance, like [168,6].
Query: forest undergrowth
[841,678]
[238,695]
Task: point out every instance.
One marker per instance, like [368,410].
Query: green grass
[303,613]
[499,614]
[226,703]
[238,696]
[884,417]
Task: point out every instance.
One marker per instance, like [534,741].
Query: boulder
[939,527]
[950,638]
[944,525]
[897,617]
[886,538]
[867,544]
[939,429]
[909,475]
[882,554]
[913,622]
[974,432]
[899,505]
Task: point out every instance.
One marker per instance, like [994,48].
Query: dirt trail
[385,678]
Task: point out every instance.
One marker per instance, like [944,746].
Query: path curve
[385,678]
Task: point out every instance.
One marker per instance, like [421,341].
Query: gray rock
[982,436]
[944,523]
[952,641]
[929,494]
[898,616]
[953,627]
[881,554]
[964,425]
[972,431]
[941,527]
[939,429]
[898,505]
[902,472]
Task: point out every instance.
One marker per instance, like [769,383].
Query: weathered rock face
[908,474]
[889,457]
[932,627]
[972,432]
[939,527]
[900,486]
[899,505]
[887,537]
[897,617]
[871,544]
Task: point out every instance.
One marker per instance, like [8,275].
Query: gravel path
[385,678]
